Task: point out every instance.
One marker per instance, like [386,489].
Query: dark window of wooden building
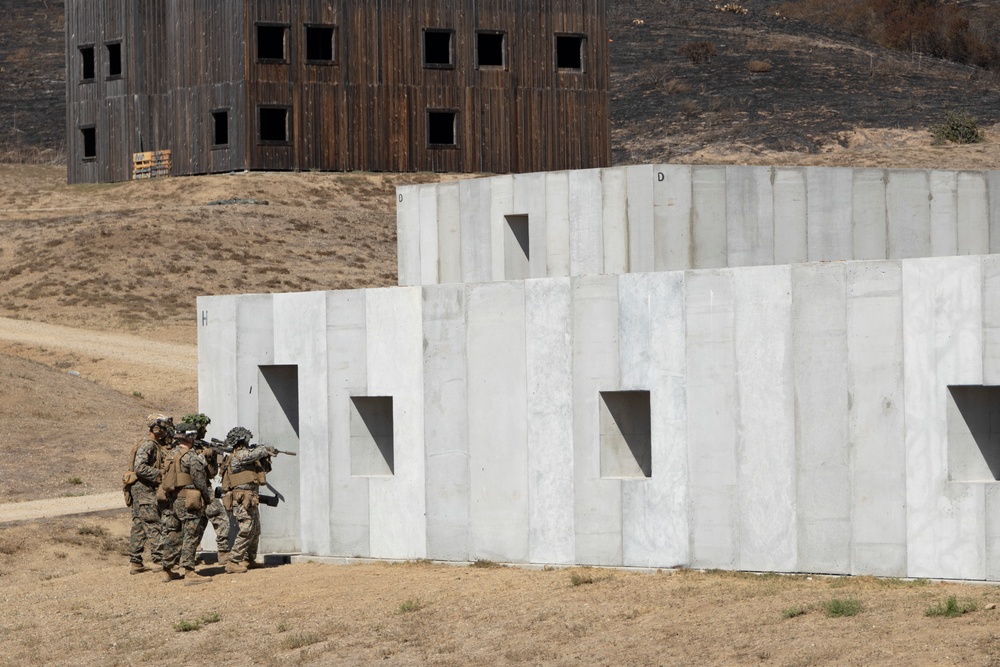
[273,125]
[438,50]
[89,136]
[114,60]
[441,128]
[491,49]
[220,128]
[569,52]
[271,43]
[320,43]
[89,68]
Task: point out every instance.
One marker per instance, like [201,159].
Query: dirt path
[53,507]
[161,372]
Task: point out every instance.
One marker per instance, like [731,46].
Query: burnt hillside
[772,83]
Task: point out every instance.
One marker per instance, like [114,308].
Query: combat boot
[252,564]
[169,574]
[191,577]
[138,568]
[223,557]
[232,567]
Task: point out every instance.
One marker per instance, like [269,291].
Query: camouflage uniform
[214,511]
[180,524]
[145,512]
[245,500]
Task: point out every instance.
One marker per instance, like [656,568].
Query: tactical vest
[173,477]
[231,480]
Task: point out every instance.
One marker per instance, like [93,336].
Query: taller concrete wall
[800,417]
[670,217]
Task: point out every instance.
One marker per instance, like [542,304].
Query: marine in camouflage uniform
[214,512]
[247,469]
[145,511]
[185,508]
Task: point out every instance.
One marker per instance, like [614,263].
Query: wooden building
[395,85]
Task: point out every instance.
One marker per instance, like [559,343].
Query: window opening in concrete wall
[220,128]
[89,68]
[319,44]
[516,249]
[491,49]
[438,51]
[626,450]
[569,52]
[89,135]
[271,43]
[114,60]
[371,436]
[973,433]
[273,124]
[441,128]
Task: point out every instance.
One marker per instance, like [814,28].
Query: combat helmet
[200,421]
[161,426]
[186,431]
[238,436]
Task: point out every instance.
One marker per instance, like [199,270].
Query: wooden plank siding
[367,109]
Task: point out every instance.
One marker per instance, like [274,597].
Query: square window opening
[319,44]
[273,124]
[89,67]
[114,60]
[441,128]
[516,248]
[89,136]
[973,433]
[626,436]
[438,50]
[271,42]
[372,436]
[220,128]
[569,52]
[491,49]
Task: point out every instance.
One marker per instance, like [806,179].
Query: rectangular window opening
[491,49]
[114,60]
[271,43]
[89,67]
[438,50]
[371,436]
[569,52]
[89,136]
[626,436]
[273,124]
[517,253]
[319,44]
[973,433]
[220,128]
[441,129]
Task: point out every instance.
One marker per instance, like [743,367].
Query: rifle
[216,444]
[280,451]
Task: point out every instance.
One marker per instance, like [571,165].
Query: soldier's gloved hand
[271,451]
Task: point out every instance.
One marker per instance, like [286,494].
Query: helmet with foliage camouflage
[161,426]
[238,436]
[200,422]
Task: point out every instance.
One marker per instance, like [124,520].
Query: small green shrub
[187,626]
[837,607]
[300,639]
[213,617]
[698,52]
[74,480]
[96,531]
[411,605]
[958,128]
[485,564]
[792,612]
[579,579]
[138,394]
[951,608]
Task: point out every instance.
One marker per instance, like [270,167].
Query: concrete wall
[669,217]
[800,416]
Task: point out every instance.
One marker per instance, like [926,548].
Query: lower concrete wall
[800,417]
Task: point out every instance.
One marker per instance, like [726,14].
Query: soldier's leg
[154,528]
[137,537]
[238,553]
[220,522]
[254,540]
[171,539]
[190,529]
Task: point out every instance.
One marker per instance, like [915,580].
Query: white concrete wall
[798,414]
[669,217]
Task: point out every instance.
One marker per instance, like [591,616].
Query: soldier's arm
[144,458]
[200,478]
